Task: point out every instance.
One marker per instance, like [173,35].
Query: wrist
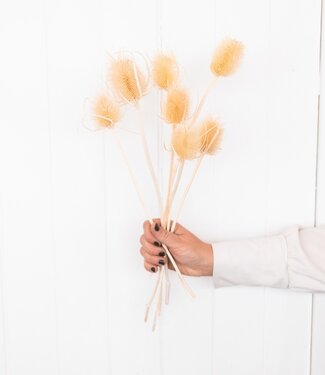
[207,260]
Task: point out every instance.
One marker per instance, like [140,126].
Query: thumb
[163,236]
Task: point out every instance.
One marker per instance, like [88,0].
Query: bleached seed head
[165,71]
[186,142]
[127,80]
[227,58]
[211,134]
[176,107]
[105,111]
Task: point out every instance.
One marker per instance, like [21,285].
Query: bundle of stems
[190,140]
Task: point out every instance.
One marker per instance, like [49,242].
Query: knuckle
[152,260]
[149,249]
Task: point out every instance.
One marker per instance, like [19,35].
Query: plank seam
[2,299]
[51,191]
[312,312]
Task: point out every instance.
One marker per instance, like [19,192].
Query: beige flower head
[106,112]
[227,58]
[164,71]
[127,80]
[186,142]
[211,134]
[176,107]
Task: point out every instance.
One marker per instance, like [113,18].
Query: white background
[73,287]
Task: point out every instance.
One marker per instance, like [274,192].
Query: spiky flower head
[127,80]
[164,71]
[211,134]
[105,111]
[227,58]
[176,107]
[186,142]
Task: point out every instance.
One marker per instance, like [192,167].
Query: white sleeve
[293,259]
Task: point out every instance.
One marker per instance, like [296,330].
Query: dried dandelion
[227,58]
[186,142]
[127,80]
[176,107]
[106,112]
[211,134]
[164,71]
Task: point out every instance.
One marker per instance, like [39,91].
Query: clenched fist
[193,256]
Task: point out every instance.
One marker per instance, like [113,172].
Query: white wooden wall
[72,284]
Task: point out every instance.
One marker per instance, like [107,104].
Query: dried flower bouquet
[191,139]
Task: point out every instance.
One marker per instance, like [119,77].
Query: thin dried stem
[197,166]
[180,168]
[149,160]
[158,305]
[198,163]
[184,283]
[152,297]
[167,283]
[128,166]
[198,110]
[172,170]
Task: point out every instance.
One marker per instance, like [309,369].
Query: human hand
[193,256]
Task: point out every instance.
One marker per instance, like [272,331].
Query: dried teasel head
[164,71]
[105,111]
[176,107]
[186,142]
[211,134]
[227,58]
[127,80]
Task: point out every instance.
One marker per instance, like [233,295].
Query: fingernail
[161,262]
[153,269]
[157,227]
[156,243]
[162,254]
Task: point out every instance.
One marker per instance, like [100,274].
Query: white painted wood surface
[27,255]
[277,121]
[318,326]
[73,288]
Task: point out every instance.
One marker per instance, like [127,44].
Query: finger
[163,236]
[147,232]
[152,259]
[150,267]
[152,249]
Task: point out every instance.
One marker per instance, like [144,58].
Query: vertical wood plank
[3,337]
[321,133]
[26,221]
[271,179]
[75,56]
[239,206]
[318,326]
[291,168]
[188,32]
[130,26]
